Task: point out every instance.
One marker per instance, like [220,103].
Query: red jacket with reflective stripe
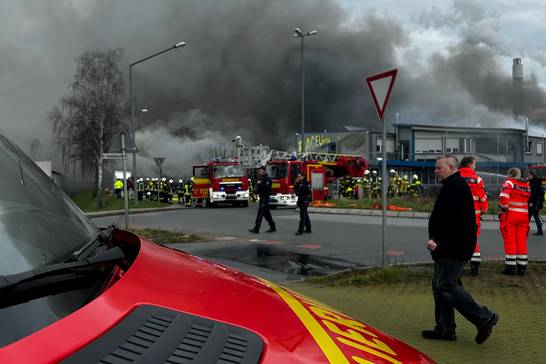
[515,195]
[476,187]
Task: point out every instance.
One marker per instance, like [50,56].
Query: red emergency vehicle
[319,169]
[220,182]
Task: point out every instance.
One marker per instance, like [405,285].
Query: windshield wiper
[56,278]
[88,249]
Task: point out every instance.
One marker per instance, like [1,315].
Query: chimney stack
[517,87]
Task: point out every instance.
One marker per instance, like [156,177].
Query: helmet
[147,178]
[392,171]
[405,176]
[163,179]
[148,193]
[180,181]
[191,179]
[171,180]
[374,172]
[415,176]
[366,172]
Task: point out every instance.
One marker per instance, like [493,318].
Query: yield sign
[380,87]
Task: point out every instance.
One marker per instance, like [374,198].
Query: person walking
[263,187]
[452,240]
[514,222]
[536,202]
[468,172]
[303,191]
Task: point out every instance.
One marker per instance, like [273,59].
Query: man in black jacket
[452,239]
[303,191]
[263,188]
[536,202]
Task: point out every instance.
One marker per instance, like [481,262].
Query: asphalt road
[337,241]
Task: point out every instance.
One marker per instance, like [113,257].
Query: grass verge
[87,203]
[399,301]
[166,237]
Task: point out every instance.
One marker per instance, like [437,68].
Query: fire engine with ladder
[320,169]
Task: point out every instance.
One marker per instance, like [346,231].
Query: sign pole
[380,87]
[384,193]
[125,197]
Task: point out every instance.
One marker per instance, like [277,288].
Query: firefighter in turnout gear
[187,192]
[394,183]
[514,222]
[263,188]
[180,191]
[468,172]
[376,184]
[366,185]
[415,187]
[404,185]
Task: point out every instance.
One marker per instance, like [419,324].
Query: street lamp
[133,131]
[299,34]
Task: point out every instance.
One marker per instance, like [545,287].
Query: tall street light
[299,34]
[133,131]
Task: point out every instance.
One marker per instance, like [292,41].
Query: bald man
[452,240]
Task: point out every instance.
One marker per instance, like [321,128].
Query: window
[539,148]
[529,147]
[379,146]
[428,146]
[452,145]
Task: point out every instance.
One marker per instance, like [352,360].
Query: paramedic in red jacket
[514,222]
[467,169]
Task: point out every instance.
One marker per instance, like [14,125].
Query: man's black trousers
[263,212]
[449,294]
[536,214]
[304,217]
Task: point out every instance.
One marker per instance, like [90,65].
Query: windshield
[39,224]
[228,171]
[277,170]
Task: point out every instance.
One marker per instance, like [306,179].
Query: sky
[240,72]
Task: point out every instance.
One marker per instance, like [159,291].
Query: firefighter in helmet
[416,186]
[376,184]
[404,185]
[366,185]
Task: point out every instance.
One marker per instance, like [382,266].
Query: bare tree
[90,113]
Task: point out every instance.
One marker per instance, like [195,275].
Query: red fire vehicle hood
[292,328]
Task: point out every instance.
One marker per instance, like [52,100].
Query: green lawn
[399,301]
[88,203]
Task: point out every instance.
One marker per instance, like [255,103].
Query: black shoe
[254,230]
[509,270]
[435,335]
[522,271]
[485,332]
[299,233]
[538,233]
[474,269]
[307,231]
[271,230]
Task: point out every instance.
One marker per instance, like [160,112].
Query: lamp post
[299,34]
[133,131]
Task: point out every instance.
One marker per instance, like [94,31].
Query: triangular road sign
[380,87]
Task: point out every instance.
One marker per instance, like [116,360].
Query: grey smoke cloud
[240,73]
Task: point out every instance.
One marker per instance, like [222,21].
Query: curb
[401,214]
[133,211]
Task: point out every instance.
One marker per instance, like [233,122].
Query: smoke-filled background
[240,72]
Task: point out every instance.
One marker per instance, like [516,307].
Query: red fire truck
[219,182]
[319,169]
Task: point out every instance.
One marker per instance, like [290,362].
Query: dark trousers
[263,212]
[449,294]
[535,213]
[304,216]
